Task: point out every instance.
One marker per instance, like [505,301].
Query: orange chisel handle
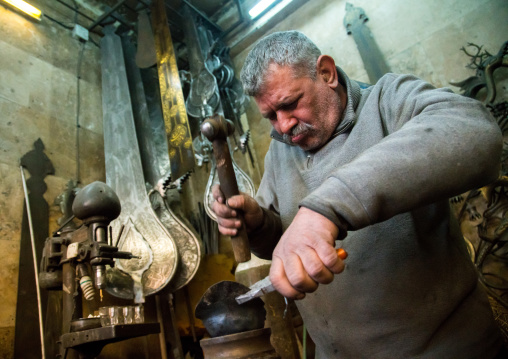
[342,253]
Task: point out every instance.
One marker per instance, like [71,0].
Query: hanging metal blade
[155,160]
[138,226]
[146,55]
[181,154]
[372,57]
[195,50]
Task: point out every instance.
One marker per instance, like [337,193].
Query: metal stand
[253,344]
[89,343]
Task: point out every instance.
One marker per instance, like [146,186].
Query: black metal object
[89,343]
[27,330]
[485,64]
[488,243]
[222,315]
[203,98]
[373,60]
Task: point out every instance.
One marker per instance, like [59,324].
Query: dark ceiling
[214,12]
[228,20]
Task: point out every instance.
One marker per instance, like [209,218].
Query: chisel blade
[258,289]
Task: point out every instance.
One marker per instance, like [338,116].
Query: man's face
[303,110]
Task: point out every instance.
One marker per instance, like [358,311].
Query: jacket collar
[348,119]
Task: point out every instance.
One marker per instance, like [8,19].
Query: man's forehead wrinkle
[273,101]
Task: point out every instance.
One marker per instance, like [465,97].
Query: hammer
[217,129]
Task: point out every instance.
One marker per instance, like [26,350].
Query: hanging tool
[142,232]
[265,286]
[217,129]
[181,154]
[372,57]
[146,55]
[155,161]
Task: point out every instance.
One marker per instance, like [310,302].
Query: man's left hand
[305,255]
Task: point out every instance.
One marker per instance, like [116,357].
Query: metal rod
[67,221]
[214,25]
[162,334]
[105,15]
[231,28]
[34,255]
[240,9]
[240,21]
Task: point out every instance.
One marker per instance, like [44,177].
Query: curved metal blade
[146,55]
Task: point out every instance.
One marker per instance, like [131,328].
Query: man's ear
[327,71]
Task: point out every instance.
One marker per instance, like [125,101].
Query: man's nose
[286,121]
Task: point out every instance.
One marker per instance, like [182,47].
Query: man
[369,171]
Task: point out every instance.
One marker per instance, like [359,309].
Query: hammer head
[217,127]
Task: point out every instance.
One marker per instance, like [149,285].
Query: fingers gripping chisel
[265,286]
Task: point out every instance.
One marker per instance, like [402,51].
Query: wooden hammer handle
[217,129]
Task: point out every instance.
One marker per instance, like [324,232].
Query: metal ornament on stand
[137,229]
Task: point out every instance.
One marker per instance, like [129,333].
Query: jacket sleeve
[438,144]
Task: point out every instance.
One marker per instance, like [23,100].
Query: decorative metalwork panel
[124,175]
[181,155]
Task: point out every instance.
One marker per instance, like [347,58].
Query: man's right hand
[227,214]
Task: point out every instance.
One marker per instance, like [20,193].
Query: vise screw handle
[217,129]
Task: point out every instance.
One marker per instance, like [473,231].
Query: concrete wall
[38,99]
[419,37]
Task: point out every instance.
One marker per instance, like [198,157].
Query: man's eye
[272,117]
[290,106]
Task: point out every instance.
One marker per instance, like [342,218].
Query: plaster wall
[418,37]
[38,99]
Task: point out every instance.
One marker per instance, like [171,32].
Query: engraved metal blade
[124,175]
[178,133]
[155,161]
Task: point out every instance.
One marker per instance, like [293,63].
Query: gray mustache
[295,131]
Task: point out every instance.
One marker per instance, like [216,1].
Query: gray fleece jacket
[409,289]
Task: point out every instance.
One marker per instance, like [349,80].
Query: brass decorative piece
[181,154]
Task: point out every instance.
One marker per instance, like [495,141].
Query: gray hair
[285,48]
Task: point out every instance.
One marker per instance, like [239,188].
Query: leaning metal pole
[36,270]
